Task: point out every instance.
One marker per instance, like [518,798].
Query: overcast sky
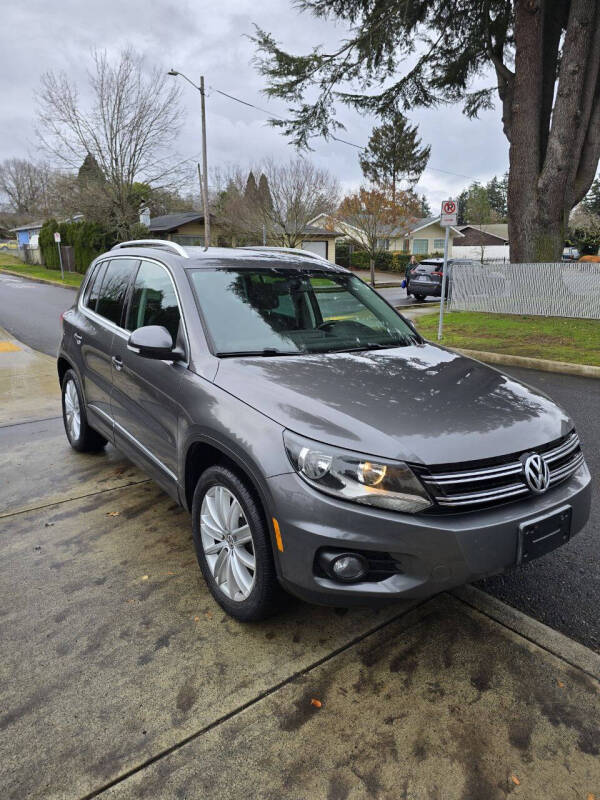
[211,38]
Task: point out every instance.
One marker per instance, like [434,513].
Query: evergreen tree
[401,54]
[497,192]
[425,207]
[394,154]
[592,198]
[251,190]
[264,193]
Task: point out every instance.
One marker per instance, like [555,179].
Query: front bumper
[435,551]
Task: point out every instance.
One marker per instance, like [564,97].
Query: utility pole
[203,176]
[204,170]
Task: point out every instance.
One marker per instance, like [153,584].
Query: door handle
[78,337]
[117,363]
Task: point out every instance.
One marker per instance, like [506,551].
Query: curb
[38,280]
[574,653]
[542,364]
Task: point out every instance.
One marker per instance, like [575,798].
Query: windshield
[275,311]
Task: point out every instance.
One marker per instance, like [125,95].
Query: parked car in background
[319,443]
[593,259]
[425,279]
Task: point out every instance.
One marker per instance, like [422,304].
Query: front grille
[500,482]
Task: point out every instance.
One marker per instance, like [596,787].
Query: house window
[438,244]
[383,244]
[420,246]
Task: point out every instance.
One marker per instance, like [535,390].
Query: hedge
[88,240]
[384,260]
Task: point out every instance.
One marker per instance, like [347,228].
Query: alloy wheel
[227,543]
[72,410]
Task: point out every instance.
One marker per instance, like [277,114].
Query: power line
[331,136]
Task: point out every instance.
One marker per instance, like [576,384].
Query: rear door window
[93,289]
[114,287]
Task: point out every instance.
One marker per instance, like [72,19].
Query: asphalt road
[561,589]
[31,311]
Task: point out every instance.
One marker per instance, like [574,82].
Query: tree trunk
[550,147]
[372,266]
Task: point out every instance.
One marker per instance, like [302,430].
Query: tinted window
[153,300]
[290,311]
[114,285]
[94,286]
[427,266]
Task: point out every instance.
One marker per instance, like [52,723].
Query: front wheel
[233,546]
[81,437]
[420,297]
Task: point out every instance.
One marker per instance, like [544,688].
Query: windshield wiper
[266,352]
[405,341]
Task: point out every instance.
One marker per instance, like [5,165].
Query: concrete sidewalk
[121,678]
[28,383]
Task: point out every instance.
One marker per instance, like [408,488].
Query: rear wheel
[420,297]
[81,437]
[233,546]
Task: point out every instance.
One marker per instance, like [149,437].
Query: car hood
[421,403]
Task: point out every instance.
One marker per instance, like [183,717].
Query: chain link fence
[566,289]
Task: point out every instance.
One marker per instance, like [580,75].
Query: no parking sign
[449,213]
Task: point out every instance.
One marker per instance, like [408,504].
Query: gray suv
[320,444]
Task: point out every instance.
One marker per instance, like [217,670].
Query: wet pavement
[120,677]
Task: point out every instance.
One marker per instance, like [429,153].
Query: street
[562,589]
[31,311]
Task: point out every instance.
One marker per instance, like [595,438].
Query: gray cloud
[212,38]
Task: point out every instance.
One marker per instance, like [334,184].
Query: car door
[144,394]
[90,344]
[102,307]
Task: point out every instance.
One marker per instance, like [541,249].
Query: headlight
[374,482]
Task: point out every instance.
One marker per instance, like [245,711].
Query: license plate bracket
[544,533]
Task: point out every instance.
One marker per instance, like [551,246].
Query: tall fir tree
[401,54]
[394,154]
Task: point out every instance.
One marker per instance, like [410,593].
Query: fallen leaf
[560,685]
[515,780]
[144,577]
[170,573]
[316,703]
[590,797]
[196,619]
[113,513]
[208,614]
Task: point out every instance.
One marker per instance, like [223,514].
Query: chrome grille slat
[449,488]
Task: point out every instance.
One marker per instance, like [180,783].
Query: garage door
[320,248]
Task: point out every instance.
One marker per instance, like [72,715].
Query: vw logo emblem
[537,474]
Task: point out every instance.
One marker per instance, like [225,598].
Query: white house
[412,237]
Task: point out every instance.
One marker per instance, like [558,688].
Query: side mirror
[154,341]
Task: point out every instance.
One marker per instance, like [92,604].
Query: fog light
[348,567]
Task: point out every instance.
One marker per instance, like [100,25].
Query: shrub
[88,240]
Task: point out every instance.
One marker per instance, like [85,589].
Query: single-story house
[27,235]
[187,228]
[412,237]
[483,242]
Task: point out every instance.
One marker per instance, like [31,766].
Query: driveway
[121,678]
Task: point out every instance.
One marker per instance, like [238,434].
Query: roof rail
[281,249]
[176,248]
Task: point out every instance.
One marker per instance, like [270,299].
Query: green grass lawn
[36,271]
[555,338]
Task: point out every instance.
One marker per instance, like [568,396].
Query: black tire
[420,297]
[266,596]
[82,438]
